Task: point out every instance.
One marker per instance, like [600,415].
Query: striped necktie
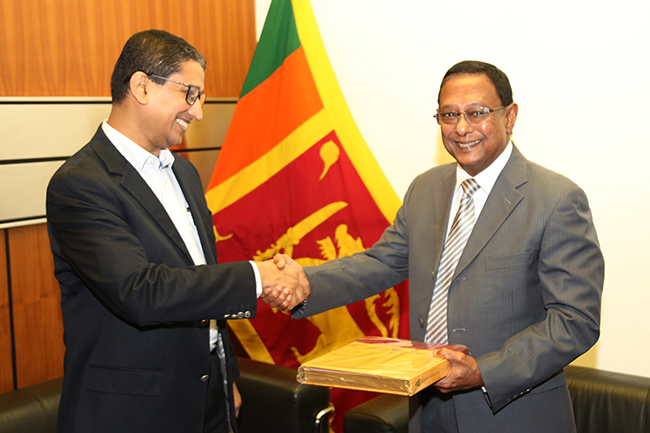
[454,246]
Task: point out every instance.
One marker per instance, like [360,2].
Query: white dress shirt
[486,179]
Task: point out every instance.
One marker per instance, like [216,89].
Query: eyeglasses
[473,116]
[193,92]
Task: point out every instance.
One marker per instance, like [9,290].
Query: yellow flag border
[251,340]
[255,174]
[353,142]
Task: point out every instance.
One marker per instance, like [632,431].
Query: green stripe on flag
[279,39]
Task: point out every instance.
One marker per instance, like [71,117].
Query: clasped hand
[463,374]
[284,282]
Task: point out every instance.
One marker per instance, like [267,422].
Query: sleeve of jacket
[356,277]
[571,274]
[106,241]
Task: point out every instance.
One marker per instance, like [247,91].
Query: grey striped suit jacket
[525,297]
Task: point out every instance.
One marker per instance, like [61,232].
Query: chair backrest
[273,401]
[603,402]
[608,402]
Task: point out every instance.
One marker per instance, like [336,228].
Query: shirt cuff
[486,396]
[258,279]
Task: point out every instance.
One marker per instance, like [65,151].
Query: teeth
[182,123]
[470,144]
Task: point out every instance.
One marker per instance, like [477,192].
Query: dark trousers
[216,418]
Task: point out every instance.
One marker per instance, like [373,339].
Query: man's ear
[511,117]
[138,86]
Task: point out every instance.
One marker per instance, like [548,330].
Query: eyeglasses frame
[189,88]
[464,113]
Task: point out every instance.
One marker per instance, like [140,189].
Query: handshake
[284,283]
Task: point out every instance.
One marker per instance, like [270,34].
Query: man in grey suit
[525,295]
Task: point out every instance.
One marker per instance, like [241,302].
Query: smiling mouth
[468,145]
[182,123]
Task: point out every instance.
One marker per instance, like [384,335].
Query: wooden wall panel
[69,47]
[38,326]
[6,361]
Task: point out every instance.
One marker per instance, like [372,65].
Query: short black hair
[494,74]
[152,52]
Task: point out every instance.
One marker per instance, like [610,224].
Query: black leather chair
[32,409]
[608,402]
[603,402]
[273,402]
[387,413]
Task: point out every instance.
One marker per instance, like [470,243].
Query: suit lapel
[182,176]
[502,200]
[440,212]
[137,187]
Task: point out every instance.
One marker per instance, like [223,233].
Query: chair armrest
[32,409]
[273,400]
[387,413]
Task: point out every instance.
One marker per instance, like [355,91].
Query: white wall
[579,73]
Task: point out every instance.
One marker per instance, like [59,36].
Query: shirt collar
[133,153]
[488,177]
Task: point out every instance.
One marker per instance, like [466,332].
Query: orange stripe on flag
[267,114]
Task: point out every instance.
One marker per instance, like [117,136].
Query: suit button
[240,315]
[421,321]
[247,314]
[205,378]
[203,323]
[433,275]
[226,316]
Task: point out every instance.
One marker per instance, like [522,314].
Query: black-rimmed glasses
[193,92]
[474,116]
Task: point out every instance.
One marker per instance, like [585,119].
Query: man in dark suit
[144,303]
[525,293]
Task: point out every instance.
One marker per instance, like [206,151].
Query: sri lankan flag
[295,176]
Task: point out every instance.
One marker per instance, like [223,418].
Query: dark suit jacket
[134,306]
[525,297]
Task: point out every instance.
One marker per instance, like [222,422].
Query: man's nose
[463,126]
[196,110]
